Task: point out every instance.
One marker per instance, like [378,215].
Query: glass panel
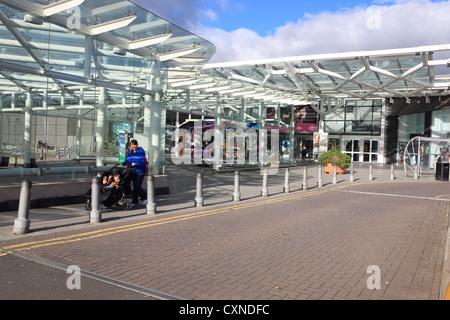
[374,146]
[366,145]
[335,127]
[356,145]
[348,145]
[359,127]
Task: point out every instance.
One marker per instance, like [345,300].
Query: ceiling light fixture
[175,54]
[140,43]
[111,25]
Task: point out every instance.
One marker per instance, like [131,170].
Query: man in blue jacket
[136,159]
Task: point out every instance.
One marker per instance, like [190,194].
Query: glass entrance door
[352,149]
[362,150]
[370,152]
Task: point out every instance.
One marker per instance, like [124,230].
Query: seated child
[114,183]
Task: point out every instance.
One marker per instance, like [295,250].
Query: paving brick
[304,245]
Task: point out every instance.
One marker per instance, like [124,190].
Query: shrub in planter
[334,157]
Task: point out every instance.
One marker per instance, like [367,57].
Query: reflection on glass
[356,145]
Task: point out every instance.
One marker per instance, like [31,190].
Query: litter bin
[442,171]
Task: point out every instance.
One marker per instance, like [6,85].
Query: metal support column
[154,134]
[218,136]
[27,133]
[100,128]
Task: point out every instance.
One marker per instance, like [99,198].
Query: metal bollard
[370,171]
[264,190]
[335,174]
[352,172]
[319,177]
[96,212]
[151,203]
[392,172]
[305,179]
[22,223]
[199,192]
[236,193]
[286,187]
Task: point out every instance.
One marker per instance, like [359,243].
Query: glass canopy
[90,66]
[317,79]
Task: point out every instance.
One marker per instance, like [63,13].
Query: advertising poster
[320,142]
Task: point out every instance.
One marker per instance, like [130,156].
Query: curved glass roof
[69,45]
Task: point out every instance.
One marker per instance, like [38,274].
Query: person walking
[136,159]
[304,153]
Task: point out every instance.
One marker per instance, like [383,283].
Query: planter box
[329,168]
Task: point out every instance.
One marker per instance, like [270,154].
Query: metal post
[199,193]
[96,212]
[392,171]
[370,171]
[151,203]
[352,172]
[264,190]
[305,178]
[286,187]
[319,177]
[22,223]
[335,174]
[236,193]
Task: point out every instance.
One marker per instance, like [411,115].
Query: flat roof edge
[352,55]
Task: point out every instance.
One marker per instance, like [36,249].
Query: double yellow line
[146,224]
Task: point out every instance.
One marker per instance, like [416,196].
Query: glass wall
[357,117]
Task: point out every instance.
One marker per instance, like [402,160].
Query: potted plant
[334,157]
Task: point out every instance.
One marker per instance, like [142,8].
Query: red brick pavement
[314,244]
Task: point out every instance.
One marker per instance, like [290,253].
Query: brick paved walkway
[314,244]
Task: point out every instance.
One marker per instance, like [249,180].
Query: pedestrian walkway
[310,243]
[218,189]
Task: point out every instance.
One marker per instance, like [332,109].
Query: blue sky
[255,29]
[264,17]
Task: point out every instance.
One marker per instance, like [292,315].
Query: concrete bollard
[236,193]
[305,179]
[370,171]
[392,172]
[96,212]
[264,190]
[335,174]
[151,203]
[352,172]
[319,177]
[199,191]
[286,187]
[22,223]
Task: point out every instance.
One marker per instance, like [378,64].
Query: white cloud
[210,14]
[397,25]
[389,24]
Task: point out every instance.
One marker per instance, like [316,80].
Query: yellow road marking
[146,224]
